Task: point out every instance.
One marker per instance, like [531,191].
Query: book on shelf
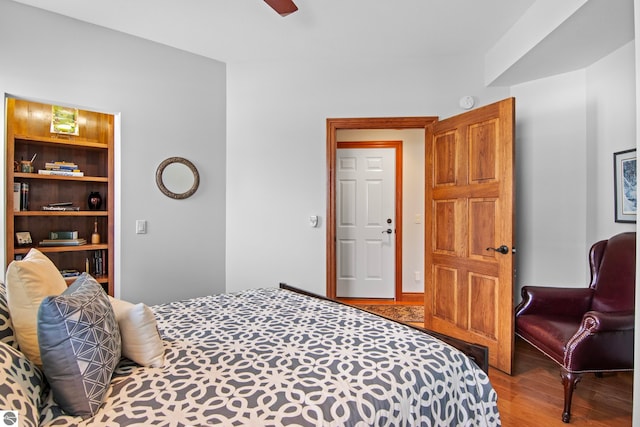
[16,196]
[63,242]
[60,172]
[61,166]
[69,273]
[24,196]
[60,208]
[57,235]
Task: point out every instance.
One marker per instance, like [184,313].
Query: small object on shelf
[24,196]
[94,201]
[95,236]
[23,238]
[63,242]
[26,166]
[61,204]
[56,235]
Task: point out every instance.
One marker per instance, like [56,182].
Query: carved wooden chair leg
[569,381]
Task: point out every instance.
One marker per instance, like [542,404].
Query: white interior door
[365,223]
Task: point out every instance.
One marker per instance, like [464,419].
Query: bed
[270,357]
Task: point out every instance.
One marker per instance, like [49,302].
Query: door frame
[397,147]
[333,125]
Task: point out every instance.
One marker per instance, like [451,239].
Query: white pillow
[141,341]
[28,282]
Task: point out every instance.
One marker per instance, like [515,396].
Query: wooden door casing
[469,210]
[332,126]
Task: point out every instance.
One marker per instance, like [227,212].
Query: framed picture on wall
[625,185]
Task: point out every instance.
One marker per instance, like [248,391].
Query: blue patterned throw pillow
[79,345]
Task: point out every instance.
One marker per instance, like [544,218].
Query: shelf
[52,249]
[63,140]
[61,213]
[99,279]
[24,175]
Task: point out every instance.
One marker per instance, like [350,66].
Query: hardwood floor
[534,397]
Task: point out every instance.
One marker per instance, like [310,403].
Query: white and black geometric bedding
[273,357]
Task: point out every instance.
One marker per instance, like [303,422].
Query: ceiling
[245,30]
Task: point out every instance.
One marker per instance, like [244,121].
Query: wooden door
[470,210]
[365,222]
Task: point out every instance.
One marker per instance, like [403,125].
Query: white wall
[568,127]
[276,150]
[412,197]
[171,104]
[551,190]
[611,127]
[566,132]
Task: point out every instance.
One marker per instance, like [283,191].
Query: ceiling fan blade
[283,7]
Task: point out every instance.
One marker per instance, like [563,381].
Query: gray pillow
[79,344]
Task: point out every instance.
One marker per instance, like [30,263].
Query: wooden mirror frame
[162,186]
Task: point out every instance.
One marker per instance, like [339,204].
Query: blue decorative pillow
[21,385]
[6,327]
[79,345]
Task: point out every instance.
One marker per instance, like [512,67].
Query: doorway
[333,126]
[469,212]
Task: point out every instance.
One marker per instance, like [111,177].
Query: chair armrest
[603,342]
[544,300]
[596,321]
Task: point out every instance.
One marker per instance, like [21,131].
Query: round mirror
[177,178]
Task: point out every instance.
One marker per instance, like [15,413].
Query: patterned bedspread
[272,357]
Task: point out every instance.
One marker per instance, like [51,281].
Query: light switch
[141,226]
[313,221]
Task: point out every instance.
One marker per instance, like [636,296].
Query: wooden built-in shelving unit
[28,134]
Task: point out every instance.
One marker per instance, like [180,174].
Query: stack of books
[99,263]
[61,168]
[63,238]
[20,196]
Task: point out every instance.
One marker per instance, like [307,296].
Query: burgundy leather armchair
[586,329]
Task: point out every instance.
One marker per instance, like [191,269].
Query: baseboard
[412,297]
